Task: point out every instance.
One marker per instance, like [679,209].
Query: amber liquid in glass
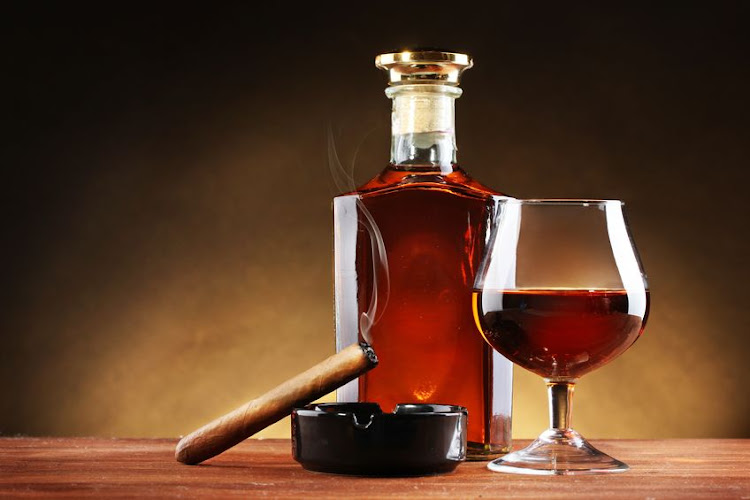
[430,351]
[559,334]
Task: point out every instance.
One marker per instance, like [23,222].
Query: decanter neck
[423,126]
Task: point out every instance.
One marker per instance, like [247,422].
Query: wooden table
[95,467]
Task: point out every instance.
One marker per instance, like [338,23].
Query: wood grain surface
[95,467]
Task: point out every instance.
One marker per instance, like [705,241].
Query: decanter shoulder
[455,180]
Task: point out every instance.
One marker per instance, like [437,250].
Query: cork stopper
[422,108]
[424,67]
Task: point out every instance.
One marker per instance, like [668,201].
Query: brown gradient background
[166,211]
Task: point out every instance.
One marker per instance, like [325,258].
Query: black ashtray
[358,438]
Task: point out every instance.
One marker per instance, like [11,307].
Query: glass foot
[557,452]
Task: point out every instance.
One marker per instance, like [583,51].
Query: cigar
[226,431]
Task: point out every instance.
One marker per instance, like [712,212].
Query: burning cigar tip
[369,352]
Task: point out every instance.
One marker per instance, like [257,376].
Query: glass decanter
[407,247]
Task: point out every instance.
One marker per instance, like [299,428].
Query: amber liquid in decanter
[433,227]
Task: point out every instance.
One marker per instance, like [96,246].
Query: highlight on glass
[560,292]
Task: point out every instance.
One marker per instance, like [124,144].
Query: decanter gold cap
[424,66]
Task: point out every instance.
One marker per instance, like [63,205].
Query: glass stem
[560,396]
